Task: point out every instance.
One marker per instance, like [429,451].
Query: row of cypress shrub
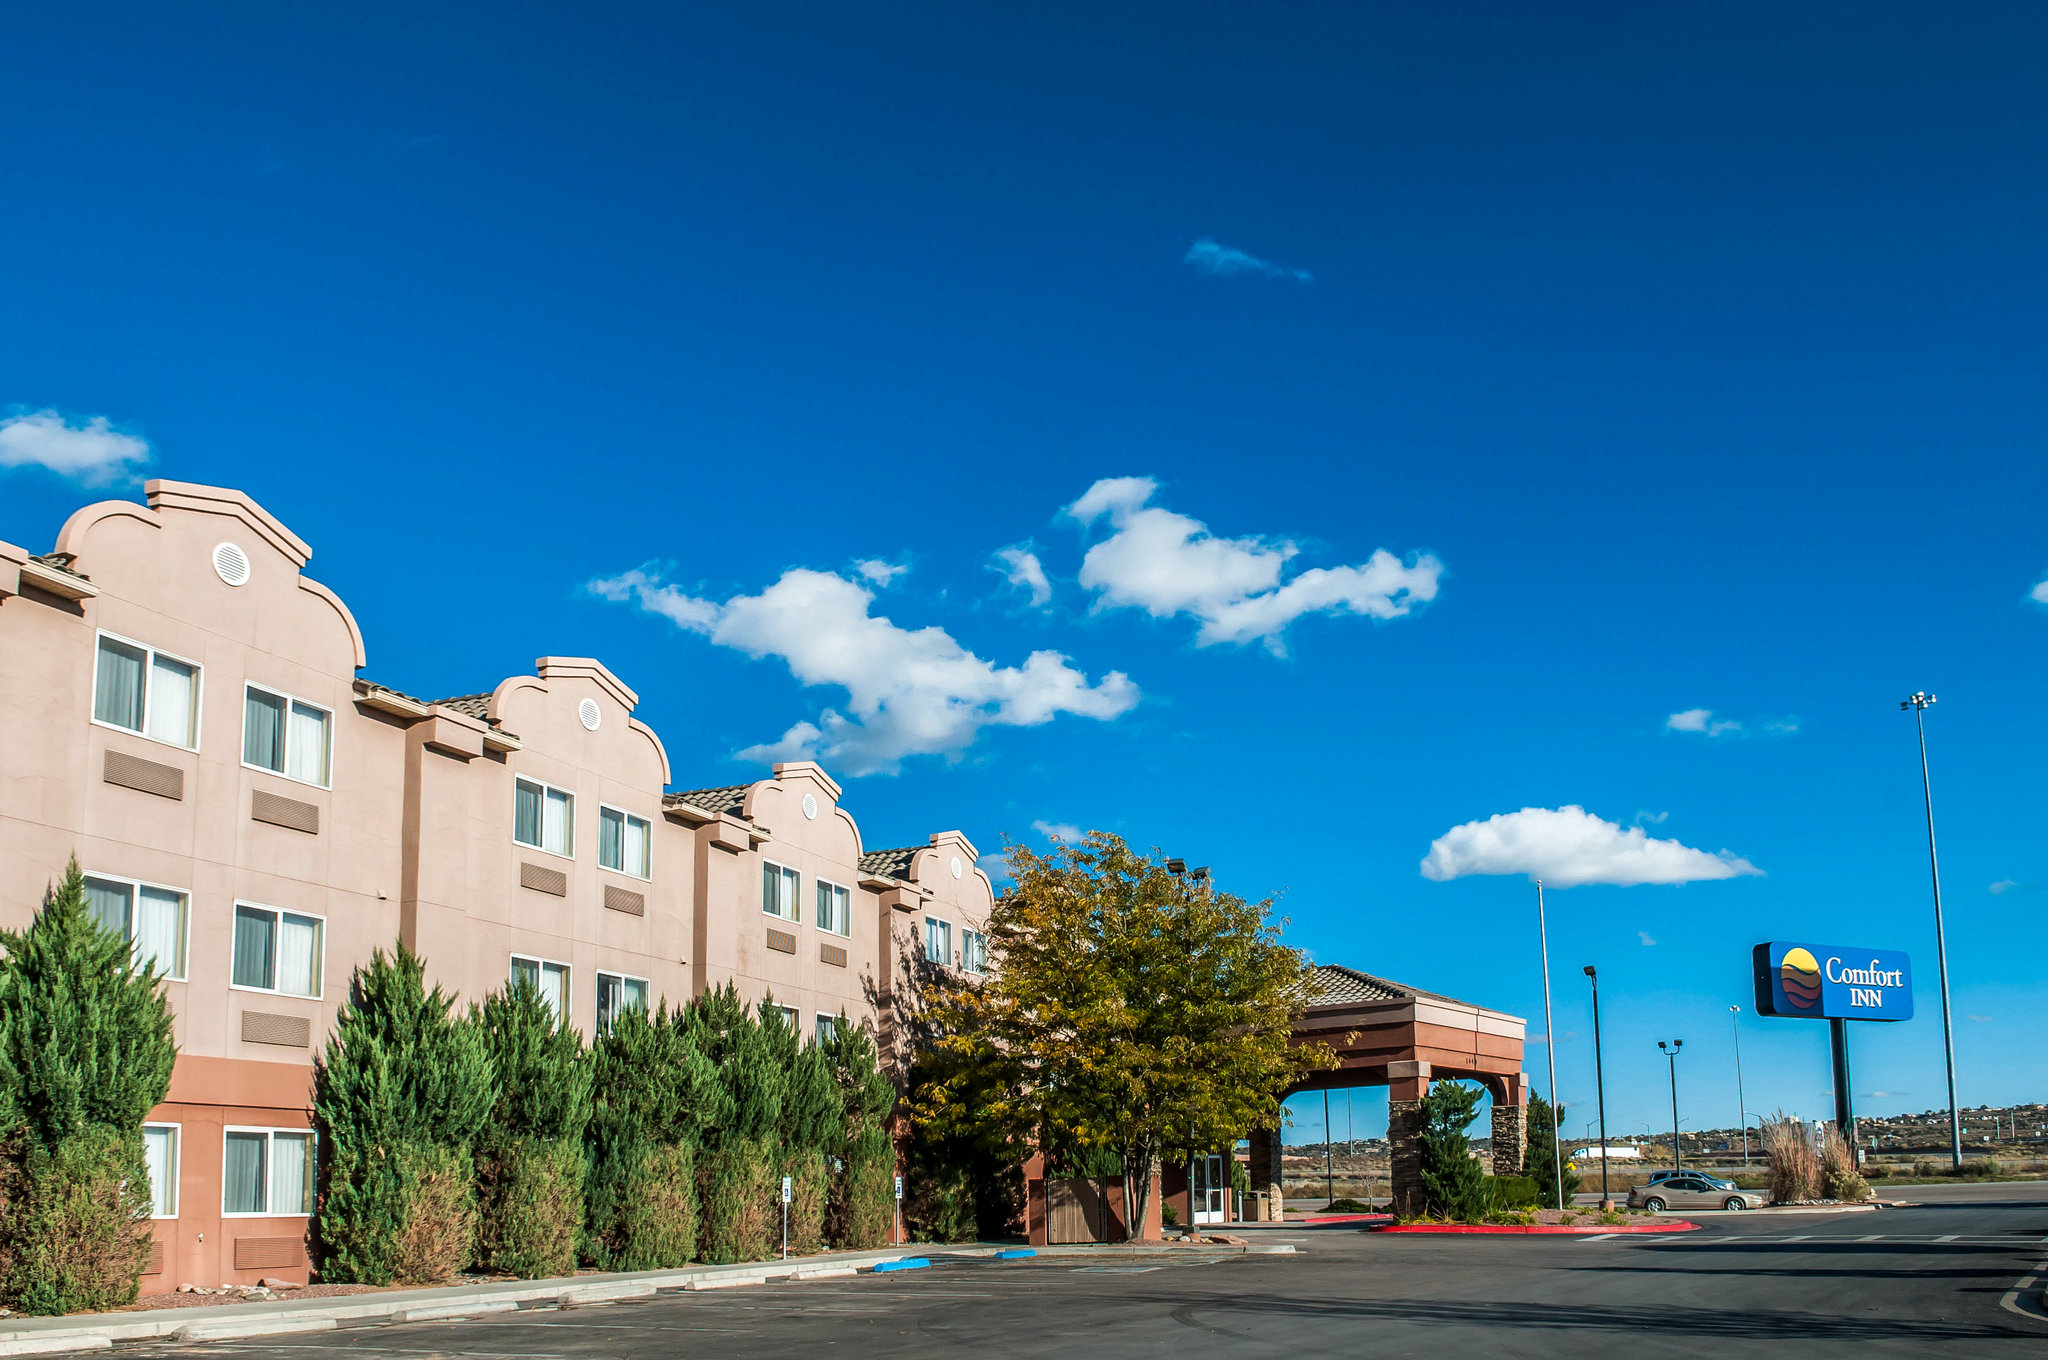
[495,1139]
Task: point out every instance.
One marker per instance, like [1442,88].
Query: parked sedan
[1692,1190]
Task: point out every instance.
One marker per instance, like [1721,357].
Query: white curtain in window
[526,813]
[611,837]
[109,903]
[291,1177]
[171,685]
[632,992]
[554,986]
[242,1174]
[160,1155]
[636,846]
[307,749]
[554,828]
[263,731]
[298,955]
[160,931]
[117,694]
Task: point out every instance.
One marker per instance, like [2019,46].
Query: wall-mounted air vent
[231,564]
[589,712]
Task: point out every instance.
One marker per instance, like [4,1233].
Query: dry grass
[1795,1169]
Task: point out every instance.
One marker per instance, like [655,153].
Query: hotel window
[974,951]
[622,842]
[828,1028]
[938,941]
[277,951]
[152,919]
[548,978]
[778,891]
[791,1017]
[160,1156]
[616,994]
[835,908]
[287,736]
[544,817]
[139,689]
[267,1172]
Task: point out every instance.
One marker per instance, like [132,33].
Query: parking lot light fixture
[1671,1052]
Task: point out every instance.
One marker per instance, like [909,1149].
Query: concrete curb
[1562,1229]
[47,1336]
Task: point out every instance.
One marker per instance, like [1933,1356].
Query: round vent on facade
[231,564]
[589,713]
[810,807]
[958,868]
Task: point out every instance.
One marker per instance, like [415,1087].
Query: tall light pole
[1550,1045]
[1741,1103]
[1920,703]
[1600,1089]
[1671,1052]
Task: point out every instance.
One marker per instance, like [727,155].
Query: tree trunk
[1137,1193]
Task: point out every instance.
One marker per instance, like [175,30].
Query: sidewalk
[98,1331]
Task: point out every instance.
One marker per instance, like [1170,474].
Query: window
[938,941]
[828,1028]
[287,736]
[791,1017]
[835,908]
[151,918]
[616,994]
[544,817]
[778,891]
[267,1172]
[160,1155]
[974,951]
[139,689]
[277,951]
[548,978]
[622,842]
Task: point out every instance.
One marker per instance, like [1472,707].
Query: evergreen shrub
[739,1169]
[861,1212]
[529,1156]
[1453,1184]
[652,1089]
[1541,1158]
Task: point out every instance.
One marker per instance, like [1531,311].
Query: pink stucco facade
[184,709]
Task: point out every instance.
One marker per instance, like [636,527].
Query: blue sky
[1445,400]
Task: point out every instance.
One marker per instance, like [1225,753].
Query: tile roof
[889,863]
[726,799]
[386,689]
[1334,985]
[61,561]
[474,705]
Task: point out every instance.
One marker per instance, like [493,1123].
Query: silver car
[1692,1190]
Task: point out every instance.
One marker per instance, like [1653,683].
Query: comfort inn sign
[1831,982]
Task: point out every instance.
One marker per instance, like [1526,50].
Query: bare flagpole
[1550,1045]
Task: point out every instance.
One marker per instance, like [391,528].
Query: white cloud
[93,453]
[1644,936]
[1569,846]
[1021,567]
[1210,256]
[1059,831]
[2039,594]
[878,571]
[910,692]
[1702,720]
[1167,563]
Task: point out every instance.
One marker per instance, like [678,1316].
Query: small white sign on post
[899,1187]
[785,1218]
[785,1189]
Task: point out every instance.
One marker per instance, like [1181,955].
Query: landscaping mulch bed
[216,1298]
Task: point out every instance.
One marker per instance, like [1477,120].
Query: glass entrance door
[1208,1190]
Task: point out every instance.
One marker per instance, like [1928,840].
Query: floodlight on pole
[1600,1089]
[1671,1052]
[1919,704]
[1741,1103]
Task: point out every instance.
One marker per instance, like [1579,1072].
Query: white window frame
[568,979]
[648,822]
[177,1163]
[184,924]
[931,934]
[568,823]
[820,1025]
[150,654]
[269,1210]
[967,934]
[319,972]
[333,733]
[792,1016]
[846,933]
[796,896]
[597,995]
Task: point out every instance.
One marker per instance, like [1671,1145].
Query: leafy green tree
[529,1154]
[399,1096]
[1454,1186]
[653,1092]
[1127,1008]
[1541,1162]
[85,1054]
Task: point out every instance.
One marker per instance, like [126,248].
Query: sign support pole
[1845,1105]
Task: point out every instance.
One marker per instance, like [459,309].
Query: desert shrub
[529,1155]
[1347,1206]
[1876,1171]
[1453,1185]
[653,1090]
[399,1095]
[1980,1169]
[1838,1177]
[1795,1167]
[85,1054]
[1927,1166]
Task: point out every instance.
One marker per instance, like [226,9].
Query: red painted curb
[1341,1218]
[1680,1226]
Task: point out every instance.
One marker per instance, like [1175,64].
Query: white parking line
[1950,1238]
[1874,1237]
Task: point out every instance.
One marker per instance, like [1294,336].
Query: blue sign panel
[1830,982]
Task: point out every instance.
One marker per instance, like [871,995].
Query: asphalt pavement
[1942,1278]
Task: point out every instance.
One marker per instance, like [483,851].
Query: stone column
[1408,1083]
[1510,1124]
[1264,1171]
